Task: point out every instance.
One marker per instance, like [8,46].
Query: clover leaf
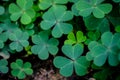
[44,45]
[117,28]
[22,9]
[45,4]
[72,39]
[93,23]
[5,53]
[57,17]
[117,1]
[3,38]
[103,74]
[2,10]
[3,65]
[86,7]
[73,60]
[29,29]
[107,50]
[20,69]
[92,36]
[19,40]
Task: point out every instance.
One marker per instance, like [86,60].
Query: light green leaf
[25,19]
[74,39]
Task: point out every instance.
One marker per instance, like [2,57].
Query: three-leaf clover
[86,7]
[22,9]
[44,4]
[44,45]
[74,60]
[72,39]
[20,69]
[57,17]
[99,24]
[3,65]
[19,40]
[108,49]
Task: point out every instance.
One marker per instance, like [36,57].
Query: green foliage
[19,40]
[117,1]
[22,9]
[4,53]
[3,65]
[99,9]
[2,10]
[56,17]
[117,29]
[100,52]
[92,36]
[3,38]
[44,4]
[72,39]
[20,69]
[44,45]
[74,60]
[29,29]
[88,31]
[93,23]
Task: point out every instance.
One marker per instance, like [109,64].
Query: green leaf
[19,40]
[29,29]
[57,17]
[20,69]
[103,74]
[117,1]
[43,45]
[105,50]
[81,66]
[93,23]
[92,36]
[99,10]
[65,65]
[25,19]
[117,28]
[23,10]
[73,60]
[72,52]
[4,53]
[72,39]
[45,4]
[2,10]
[3,66]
